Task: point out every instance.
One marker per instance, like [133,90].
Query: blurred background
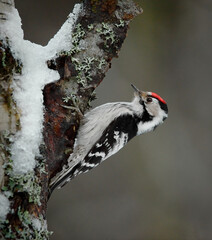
[159,187]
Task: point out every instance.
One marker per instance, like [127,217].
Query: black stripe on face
[146,117]
[164,107]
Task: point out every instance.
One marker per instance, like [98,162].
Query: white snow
[62,39]
[28,86]
[4,207]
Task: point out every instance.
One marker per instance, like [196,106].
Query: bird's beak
[135,88]
[137,92]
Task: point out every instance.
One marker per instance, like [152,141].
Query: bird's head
[152,102]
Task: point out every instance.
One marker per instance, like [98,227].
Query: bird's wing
[113,138]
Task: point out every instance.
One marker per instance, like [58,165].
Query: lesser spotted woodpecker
[107,128]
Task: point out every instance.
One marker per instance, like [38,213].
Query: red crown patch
[155,95]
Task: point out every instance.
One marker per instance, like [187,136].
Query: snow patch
[29,85]
[4,207]
[62,41]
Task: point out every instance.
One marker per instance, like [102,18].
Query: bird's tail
[65,175]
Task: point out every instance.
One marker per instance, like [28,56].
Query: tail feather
[64,177]
[69,171]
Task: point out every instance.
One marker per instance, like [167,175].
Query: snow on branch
[28,86]
[62,41]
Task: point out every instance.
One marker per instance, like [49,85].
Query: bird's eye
[149,99]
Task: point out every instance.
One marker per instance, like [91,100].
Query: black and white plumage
[107,128]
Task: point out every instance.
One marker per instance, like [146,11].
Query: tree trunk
[58,80]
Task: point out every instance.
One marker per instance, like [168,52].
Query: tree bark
[97,35]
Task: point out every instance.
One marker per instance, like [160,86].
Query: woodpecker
[108,128]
